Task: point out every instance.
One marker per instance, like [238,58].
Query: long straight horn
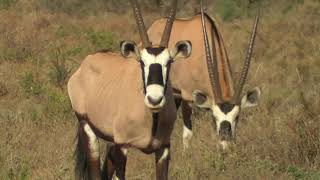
[211,63]
[246,64]
[167,30]
[142,29]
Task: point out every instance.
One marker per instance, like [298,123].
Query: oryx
[209,83]
[126,102]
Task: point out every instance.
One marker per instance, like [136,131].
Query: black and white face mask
[155,64]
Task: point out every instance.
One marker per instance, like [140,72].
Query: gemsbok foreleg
[88,159]
[116,160]
[187,123]
[162,157]
[108,168]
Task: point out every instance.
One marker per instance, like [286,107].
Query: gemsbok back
[126,102]
[212,89]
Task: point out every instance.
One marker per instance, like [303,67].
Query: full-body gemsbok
[127,102]
[209,83]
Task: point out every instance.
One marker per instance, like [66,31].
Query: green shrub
[5,4]
[296,172]
[29,85]
[24,172]
[228,9]
[58,104]
[59,72]
[101,39]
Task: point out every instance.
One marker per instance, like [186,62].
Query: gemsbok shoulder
[209,83]
[127,100]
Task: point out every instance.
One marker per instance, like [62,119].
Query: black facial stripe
[225,130]
[167,75]
[155,74]
[143,77]
[155,50]
[226,107]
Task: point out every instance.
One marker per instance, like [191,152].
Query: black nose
[225,131]
[154,101]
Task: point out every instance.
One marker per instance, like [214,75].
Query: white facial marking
[187,135]
[93,141]
[161,59]
[164,155]
[224,144]
[230,117]
[156,92]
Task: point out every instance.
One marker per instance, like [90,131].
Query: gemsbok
[126,102]
[212,89]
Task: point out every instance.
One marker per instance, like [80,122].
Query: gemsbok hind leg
[116,160]
[88,159]
[162,157]
[187,123]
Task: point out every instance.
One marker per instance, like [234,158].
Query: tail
[81,168]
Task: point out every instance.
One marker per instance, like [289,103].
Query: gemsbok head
[155,60]
[226,111]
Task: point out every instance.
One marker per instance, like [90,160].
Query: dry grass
[41,42]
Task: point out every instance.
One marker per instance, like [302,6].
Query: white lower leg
[187,135]
[93,142]
[164,155]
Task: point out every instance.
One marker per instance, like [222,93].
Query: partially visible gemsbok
[209,83]
[127,102]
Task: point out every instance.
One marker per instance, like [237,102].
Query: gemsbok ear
[251,98]
[182,50]
[201,100]
[129,49]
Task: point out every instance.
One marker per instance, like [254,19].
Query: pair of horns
[142,29]
[212,62]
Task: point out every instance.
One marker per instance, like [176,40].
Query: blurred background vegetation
[43,41]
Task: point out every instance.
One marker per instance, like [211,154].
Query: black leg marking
[162,158]
[177,102]
[186,114]
[116,161]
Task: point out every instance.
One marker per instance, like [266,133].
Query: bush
[29,85]
[228,9]
[5,4]
[59,72]
[58,104]
[296,172]
[101,39]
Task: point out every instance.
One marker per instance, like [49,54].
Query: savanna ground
[43,41]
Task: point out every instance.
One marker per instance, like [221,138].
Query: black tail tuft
[81,167]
